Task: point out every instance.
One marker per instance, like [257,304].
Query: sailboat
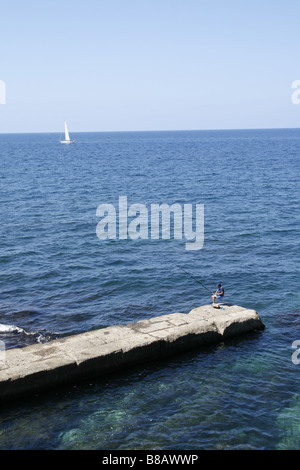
[67,137]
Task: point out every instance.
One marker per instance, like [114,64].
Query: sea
[58,278]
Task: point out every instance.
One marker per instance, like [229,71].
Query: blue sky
[121,65]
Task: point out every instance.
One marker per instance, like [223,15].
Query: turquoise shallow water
[57,278]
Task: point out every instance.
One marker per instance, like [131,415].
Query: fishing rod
[190,275]
[178,267]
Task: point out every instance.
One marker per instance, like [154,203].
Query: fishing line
[190,275]
[178,267]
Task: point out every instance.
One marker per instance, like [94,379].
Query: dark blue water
[57,278]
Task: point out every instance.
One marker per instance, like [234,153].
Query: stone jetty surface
[41,367]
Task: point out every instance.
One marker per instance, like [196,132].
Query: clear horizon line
[155,130]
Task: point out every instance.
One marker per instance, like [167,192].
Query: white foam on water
[35,336]
[10,329]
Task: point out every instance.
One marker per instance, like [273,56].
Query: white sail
[67,137]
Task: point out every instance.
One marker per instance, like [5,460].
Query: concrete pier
[34,369]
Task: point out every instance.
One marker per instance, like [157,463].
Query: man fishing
[219,295]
